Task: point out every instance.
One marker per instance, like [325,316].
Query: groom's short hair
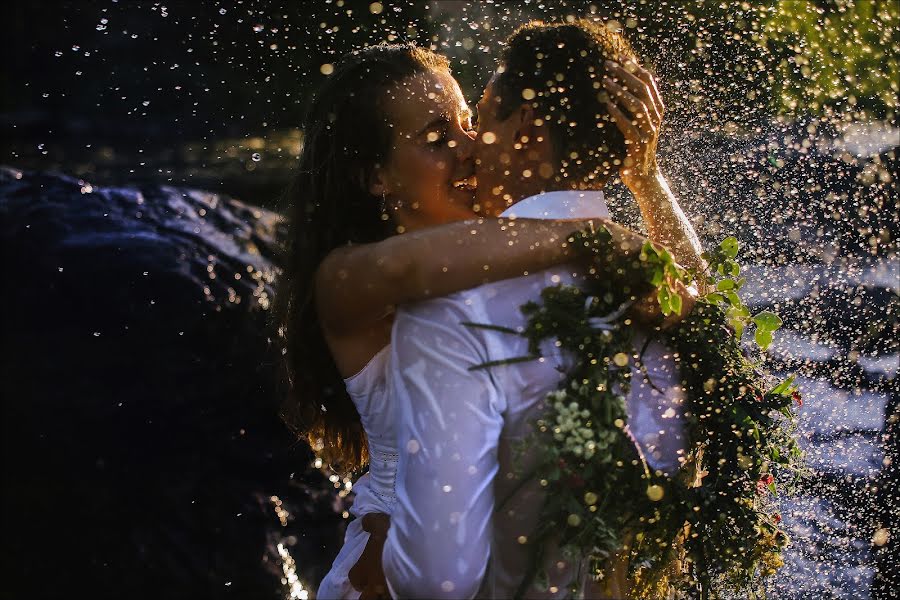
[559,68]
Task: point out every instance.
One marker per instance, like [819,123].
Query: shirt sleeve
[449,423]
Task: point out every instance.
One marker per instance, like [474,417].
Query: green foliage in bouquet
[713,525]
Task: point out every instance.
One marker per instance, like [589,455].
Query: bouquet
[711,527]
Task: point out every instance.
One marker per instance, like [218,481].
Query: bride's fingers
[637,108]
[650,81]
[648,78]
[639,82]
[626,125]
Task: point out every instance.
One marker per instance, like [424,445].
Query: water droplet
[256,157]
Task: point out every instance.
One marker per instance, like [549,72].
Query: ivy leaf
[735,321]
[675,302]
[729,246]
[664,297]
[725,285]
[767,321]
[784,387]
[763,338]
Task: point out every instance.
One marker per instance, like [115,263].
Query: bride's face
[429,175]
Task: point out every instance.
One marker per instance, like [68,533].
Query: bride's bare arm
[637,108]
[358,285]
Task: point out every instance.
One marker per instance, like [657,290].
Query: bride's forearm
[481,251]
[357,285]
[666,222]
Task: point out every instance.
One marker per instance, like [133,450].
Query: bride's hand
[637,108]
[367,575]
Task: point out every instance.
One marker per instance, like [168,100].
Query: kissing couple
[410,225]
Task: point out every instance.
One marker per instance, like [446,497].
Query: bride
[387,151]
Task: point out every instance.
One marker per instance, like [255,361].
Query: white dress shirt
[450,537]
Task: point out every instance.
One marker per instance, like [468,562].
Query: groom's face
[496,157]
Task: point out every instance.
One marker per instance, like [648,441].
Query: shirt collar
[561,204]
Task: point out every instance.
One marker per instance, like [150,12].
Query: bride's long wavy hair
[345,134]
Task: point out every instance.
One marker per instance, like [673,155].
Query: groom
[549,143]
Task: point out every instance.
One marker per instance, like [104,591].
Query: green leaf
[729,246]
[767,321]
[676,303]
[664,297]
[734,299]
[714,298]
[735,321]
[735,269]
[783,387]
[675,272]
[763,338]
[725,285]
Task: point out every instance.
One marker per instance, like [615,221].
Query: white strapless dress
[374,491]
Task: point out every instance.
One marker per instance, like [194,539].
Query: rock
[141,442]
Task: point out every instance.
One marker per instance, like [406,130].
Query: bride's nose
[465,144]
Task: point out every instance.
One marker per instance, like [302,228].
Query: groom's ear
[525,127]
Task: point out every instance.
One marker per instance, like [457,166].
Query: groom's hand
[367,575]
[637,108]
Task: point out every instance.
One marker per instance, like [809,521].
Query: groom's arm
[449,424]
